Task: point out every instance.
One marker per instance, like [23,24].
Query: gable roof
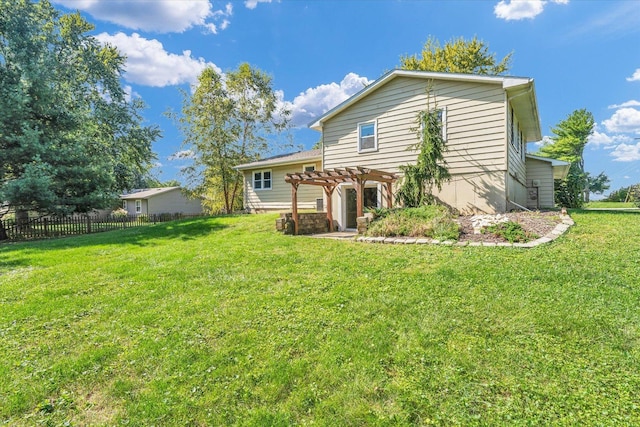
[520,91]
[284,159]
[147,193]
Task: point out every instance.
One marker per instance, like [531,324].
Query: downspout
[520,206]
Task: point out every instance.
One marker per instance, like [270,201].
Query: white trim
[375,136]
[443,122]
[342,200]
[262,180]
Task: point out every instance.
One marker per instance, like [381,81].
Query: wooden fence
[50,227]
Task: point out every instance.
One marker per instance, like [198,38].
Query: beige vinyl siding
[279,196]
[542,171]
[517,172]
[475,126]
[475,192]
[475,156]
[172,202]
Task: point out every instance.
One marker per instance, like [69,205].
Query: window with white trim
[442,118]
[262,180]
[367,138]
[138,206]
[124,205]
[309,168]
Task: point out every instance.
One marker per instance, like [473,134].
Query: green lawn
[611,205]
[221,321]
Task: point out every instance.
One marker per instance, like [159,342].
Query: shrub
[510,231]
[119,213]
[425,221]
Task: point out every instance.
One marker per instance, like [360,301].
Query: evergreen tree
[70,141]
[570,137]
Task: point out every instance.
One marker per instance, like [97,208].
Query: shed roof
[147,193]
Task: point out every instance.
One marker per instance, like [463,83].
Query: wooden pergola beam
[329,180]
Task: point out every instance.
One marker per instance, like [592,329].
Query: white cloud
[252,4]
[625,120]
[635,77]
[162,16]
[149,64]
[316,101]
[521,9]
[544,141]
[601,139]
[626,153]
[631,103]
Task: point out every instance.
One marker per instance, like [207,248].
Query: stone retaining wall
[308,223]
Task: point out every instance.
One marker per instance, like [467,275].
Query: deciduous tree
[70,140]
[228,121]
[456,56]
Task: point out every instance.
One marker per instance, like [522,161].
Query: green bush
[510,231]
[425,221]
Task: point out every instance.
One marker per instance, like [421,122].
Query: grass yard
[221,321]
[611,205]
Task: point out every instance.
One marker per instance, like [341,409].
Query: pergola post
[389,195]
[360,197]
[328,190]
[294,206]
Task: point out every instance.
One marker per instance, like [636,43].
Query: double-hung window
[124,205]
[262,180]
[367,139]
[138,206]
[442,120]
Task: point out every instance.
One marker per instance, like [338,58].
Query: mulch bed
[539,222]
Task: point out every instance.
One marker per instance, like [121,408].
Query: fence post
[88,224]
[46,226]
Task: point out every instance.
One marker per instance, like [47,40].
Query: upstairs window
[442,119]
[262,180]
[367,140]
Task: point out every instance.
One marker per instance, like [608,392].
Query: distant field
[222,321]
[611,205]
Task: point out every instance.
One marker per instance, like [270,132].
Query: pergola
[329,179]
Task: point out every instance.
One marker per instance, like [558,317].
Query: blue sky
[581,53]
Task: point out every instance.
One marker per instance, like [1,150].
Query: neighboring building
[487,122]
[264,186]
[164,200]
